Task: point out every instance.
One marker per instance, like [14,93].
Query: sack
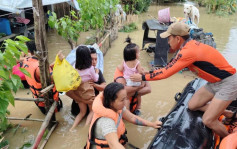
[85,91]
[65,76]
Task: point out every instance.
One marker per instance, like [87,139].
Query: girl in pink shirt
[85,91]
[131,65]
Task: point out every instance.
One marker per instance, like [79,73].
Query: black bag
[201,36]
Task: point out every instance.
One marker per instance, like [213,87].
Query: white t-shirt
[104,126]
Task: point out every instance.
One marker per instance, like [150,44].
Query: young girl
[85,92]
[131,65]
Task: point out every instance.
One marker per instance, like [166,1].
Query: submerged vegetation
[220,7]
[128,28]
[136,6]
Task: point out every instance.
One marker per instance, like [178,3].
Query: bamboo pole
[49,134]
[30,99]
[105,38]
[44,125]
[26,119]
[45,90]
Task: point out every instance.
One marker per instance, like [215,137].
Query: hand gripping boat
[182,128]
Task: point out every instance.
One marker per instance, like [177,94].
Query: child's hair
[31,46]
[130,51]
[83,58]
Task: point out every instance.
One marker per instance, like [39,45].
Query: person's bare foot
[228,113]
[72,130]
[230,117]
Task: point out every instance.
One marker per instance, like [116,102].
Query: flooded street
[154,105]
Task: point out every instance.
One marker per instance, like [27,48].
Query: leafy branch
[8,81]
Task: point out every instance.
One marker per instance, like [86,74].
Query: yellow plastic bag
[65,76]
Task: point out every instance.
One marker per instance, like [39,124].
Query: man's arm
[102,85]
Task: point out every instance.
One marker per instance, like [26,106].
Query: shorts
[85,91]
[131,83]
[225,89]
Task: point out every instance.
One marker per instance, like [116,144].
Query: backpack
[201,36]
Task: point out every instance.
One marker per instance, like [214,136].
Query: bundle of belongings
[199,35]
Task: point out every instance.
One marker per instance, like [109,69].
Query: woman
[107,129]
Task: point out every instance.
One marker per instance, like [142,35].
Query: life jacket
[31,64]
[133,100]
[229,142]
[100,111]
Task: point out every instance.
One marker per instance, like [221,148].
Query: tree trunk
[41,46]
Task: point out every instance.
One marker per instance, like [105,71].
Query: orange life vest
[100,111]
[229,142]
[226,143]
[31,64]
[133,100]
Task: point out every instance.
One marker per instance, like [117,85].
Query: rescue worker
[31,64]
[208,64]
[107,129]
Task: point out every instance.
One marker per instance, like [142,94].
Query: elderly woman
[107,128]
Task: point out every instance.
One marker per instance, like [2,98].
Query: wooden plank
[44,125]
[7,37]
[45,90]
[49,134]
[25,119]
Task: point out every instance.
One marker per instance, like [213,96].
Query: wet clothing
[201,59]
[104,126]
[74,107]
[100,112]
[133,100]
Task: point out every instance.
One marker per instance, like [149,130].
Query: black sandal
[232,119]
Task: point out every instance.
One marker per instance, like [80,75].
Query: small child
[131,65]
[84,95]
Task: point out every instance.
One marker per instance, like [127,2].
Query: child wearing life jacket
[84,95]
[131,65]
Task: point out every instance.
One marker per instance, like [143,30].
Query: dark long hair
[83,58]
[110,93]
[130,51]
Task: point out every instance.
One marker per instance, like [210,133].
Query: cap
[178,29]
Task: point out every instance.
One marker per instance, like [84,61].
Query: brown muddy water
[154,105]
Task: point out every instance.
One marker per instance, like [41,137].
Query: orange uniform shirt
[203,60]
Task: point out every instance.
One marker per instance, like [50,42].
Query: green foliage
[220,7]
[90,41]
[2,35]
[142,5]
[66,27]
[4,143]
[27,145]
[128,28]
[94,13]
[8,81]
[136,6]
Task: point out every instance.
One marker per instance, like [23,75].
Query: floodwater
[154,105]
